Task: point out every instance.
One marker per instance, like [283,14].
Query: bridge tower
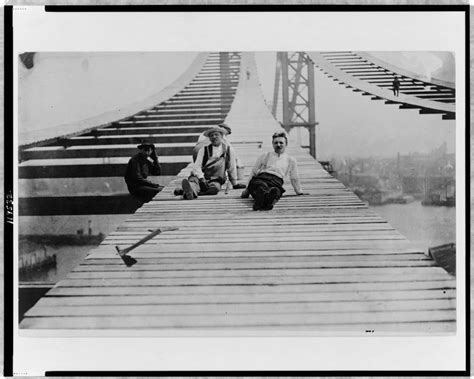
[294,77]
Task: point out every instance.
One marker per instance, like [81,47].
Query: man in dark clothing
[396,86]
[142,164]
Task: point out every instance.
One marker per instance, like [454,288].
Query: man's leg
[258,188]
[146,193]
[271,198]
[190,187]
[214,188]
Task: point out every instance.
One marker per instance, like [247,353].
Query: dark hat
[226,127]
[144,144]
[217,129]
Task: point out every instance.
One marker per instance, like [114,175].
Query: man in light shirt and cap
[267,176]
[209,170]
[204,139]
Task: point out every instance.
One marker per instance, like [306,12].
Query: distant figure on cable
[209,170]
[139,167]
[396,86]
[266,178]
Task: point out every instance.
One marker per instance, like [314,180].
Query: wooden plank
[225,264]
[110,253]
[321,220]
[61,289]
[405,329]
[245,280]
[351,260]
[370,319]
[227,310]
[179,240]
[229,232]
[137,231]
[151,246]
[243,270]
[354,329]
[237,298]
[257,231]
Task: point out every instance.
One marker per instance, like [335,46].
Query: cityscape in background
[429,177]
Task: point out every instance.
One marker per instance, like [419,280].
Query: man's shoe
[259,199]
[187,189]
[245,194]
[178,192]
[271,197]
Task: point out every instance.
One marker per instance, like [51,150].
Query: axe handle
[166,229]
[154,233]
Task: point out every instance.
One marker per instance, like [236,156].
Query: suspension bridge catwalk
[321,262]
[82,173]
[364,73]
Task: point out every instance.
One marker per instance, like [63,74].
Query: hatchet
[128,260]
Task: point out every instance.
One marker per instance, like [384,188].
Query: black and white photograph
[292,186]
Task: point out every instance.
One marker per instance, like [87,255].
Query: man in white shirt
[209,170]
[266,178]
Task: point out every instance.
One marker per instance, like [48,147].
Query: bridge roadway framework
[321,262]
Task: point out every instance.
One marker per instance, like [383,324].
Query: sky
[72,91]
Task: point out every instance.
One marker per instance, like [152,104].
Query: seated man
[266,178]
[203,140]
[209,169]
[142,164]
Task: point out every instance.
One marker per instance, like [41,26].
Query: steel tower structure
[295,71]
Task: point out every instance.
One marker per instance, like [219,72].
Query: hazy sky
[353,125]
[67,91]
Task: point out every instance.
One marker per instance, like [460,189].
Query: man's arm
[136,173]
[256,168]
[232,170]
[154,166]
[197,166]
[294,177]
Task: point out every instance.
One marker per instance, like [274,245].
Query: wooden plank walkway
[322,262]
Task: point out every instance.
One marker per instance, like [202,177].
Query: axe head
[128,260]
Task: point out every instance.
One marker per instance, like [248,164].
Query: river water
[67,257]
[424,226]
